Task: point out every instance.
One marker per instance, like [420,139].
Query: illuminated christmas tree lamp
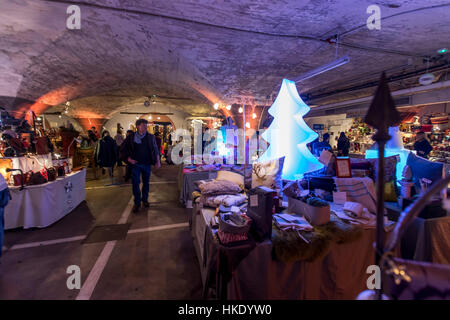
[393,147]
[288,134]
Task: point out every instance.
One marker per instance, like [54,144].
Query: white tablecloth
[37,162]
[41,205]
[33,163]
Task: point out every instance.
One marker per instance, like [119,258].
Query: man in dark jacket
[323,145]
[141,152]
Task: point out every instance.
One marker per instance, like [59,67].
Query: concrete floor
[154,264]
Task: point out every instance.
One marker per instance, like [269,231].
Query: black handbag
[52,174]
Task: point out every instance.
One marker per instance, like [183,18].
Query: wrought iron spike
[382,112]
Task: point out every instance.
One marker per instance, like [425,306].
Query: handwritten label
[254,200]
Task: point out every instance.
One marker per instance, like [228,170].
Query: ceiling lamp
[228,107]
[216,106]
[241,110]
[327,67]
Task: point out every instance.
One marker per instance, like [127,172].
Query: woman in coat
[106,154]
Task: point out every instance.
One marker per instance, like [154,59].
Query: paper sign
[325,157]
[189,204]
[254,200]
[339,197]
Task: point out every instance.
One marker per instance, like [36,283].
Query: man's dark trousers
[137,171]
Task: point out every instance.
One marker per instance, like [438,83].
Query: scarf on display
[138,137]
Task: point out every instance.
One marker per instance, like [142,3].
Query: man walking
[141,152]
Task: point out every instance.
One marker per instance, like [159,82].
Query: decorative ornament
[288,134]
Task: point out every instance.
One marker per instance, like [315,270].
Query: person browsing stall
[323,145]
[422,146]
[141,152]
[343,145]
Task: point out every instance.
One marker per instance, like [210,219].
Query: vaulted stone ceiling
[195,53]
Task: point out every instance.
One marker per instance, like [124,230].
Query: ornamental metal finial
[382,112]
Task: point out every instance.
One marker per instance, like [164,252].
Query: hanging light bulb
[247,125]
[150,117]
[228,107]
[241,110]
[254,115]
[137,117]
[159,118]
[60,116]
[216,106]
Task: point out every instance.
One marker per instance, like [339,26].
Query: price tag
[254,200]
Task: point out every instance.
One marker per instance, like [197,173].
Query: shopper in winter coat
[343,145]
[106,151]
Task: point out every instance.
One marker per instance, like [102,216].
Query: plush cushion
[231,176]
[361,173]
[390,164]
[390,193]
[423,168]
[218,187]
[360,164]
[198,183]
[268,174]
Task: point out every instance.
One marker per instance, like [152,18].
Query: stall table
[39,206]
[247,270]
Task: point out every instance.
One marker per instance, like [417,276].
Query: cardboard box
[315,215]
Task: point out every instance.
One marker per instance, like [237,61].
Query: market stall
[44,185]
[249,271]
[56,199]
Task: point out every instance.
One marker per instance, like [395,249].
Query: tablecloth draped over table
[32,163]
[341,274]
[37,162]
[41,205]
[428,240]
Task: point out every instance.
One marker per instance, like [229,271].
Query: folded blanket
[359,190]
[216,187]
[227,200]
